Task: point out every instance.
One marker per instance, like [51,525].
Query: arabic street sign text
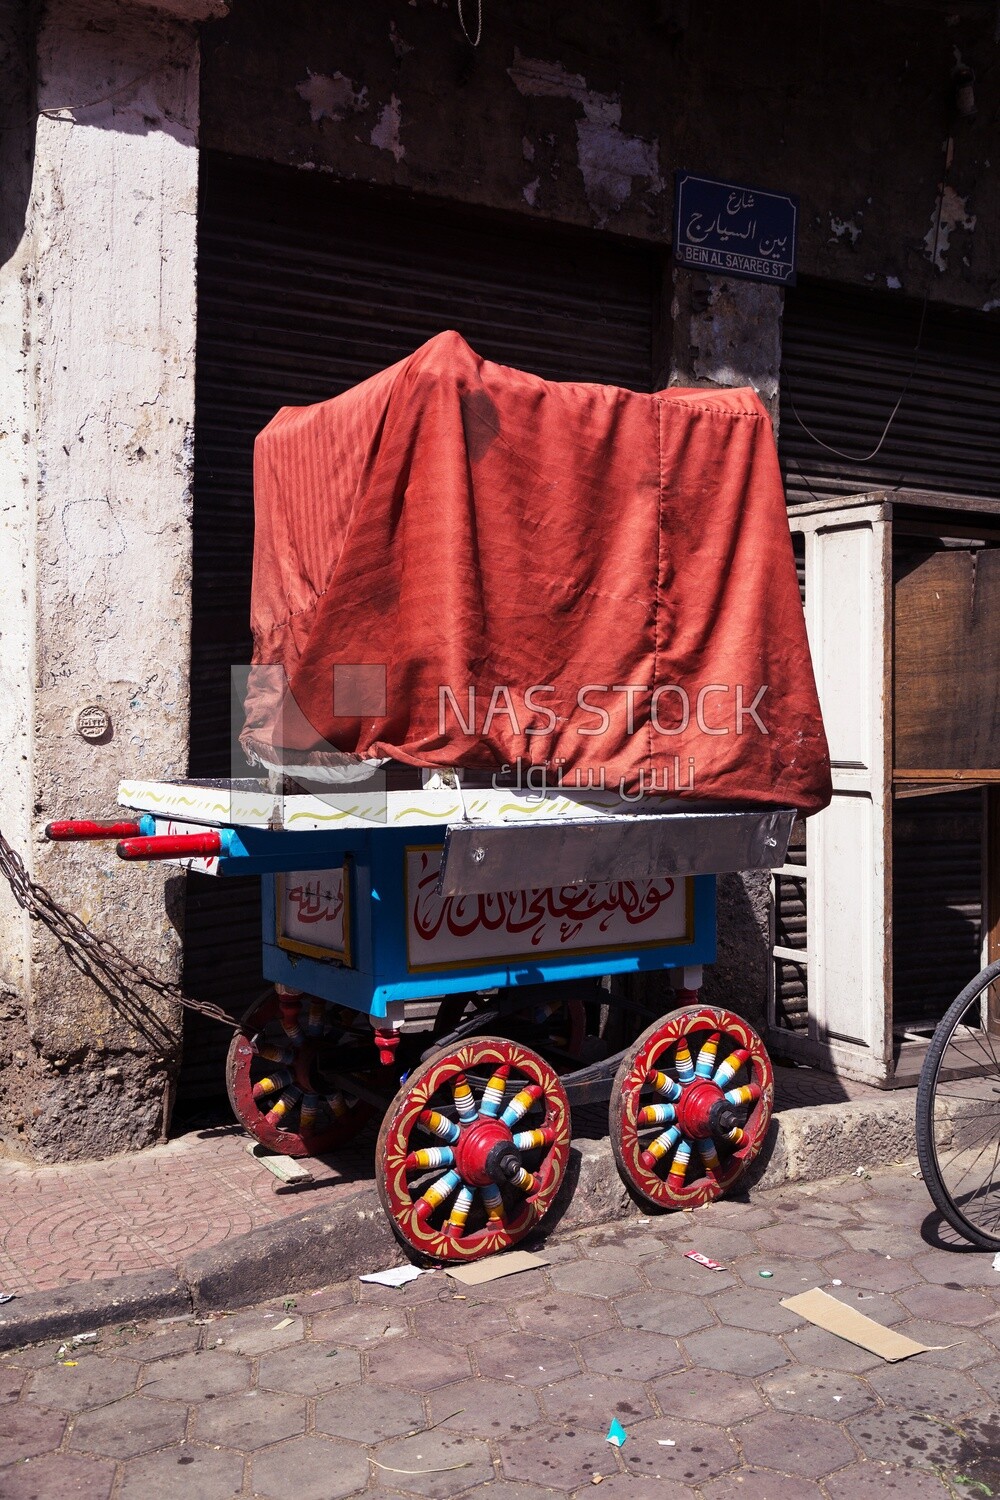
[731,230]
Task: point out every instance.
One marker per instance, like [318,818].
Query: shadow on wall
[17,120]
[738,978]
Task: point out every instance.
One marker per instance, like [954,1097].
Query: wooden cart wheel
[472,1149]
[274,1077]
[690,1107]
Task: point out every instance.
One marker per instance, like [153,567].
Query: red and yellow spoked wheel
[274,1077]
[473,1149]
[690,1107]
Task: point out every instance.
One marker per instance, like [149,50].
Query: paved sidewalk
[93,1220]
[505,1391]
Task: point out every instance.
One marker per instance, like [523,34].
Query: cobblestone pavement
[506,1391]
[92,1220]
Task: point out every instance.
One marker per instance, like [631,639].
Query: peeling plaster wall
[581,114]
[16,504]
[106,405]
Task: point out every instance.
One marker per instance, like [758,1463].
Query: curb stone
[352,1236]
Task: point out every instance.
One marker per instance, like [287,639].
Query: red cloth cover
[475,528]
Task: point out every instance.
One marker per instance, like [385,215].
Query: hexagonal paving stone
[360,1326]
[422,1289]
[892,1437]
[806,1446]
[562,1459]
[186,1473]
[919,1387]
[310,1468]
[623,1243]
[12,1381]
[175,1338]
[897,1242]
[815,1347]
[716,1240]
[954,1269]
[436,1464]
[707,1396]
[730,1212]
[675,1273]
[254,1332]
[962,1354]
[870,1273]
[737,1350]
[130,1427]
[60,1474]
[592,1401]
[309,1369]
[193,1377]
[418,1364]
[458,1321]
[698,1452]
[631,1487]
[485,1408]
[760,1484]
[787,1276]
[880,1479]
[819,1393]
[251,1420]
[28,1432]
[525,1360]
[92,1382]
[563,1316]
[633,1353]
[740,1308]
[596,1278]
[795,1238]
[503,1489]
[369,1413]
[963,1309]
[663,1312]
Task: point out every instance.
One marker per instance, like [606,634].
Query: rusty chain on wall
[86,949]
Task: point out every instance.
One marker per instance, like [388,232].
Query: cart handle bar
[177,845]
[74,828]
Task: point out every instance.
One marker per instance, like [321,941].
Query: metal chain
[89,950]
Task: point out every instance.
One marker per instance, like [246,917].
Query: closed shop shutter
[847,357]
[306,287]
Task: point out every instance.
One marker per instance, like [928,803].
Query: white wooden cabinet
[860,569]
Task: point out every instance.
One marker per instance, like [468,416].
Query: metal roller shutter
[305,287]
[846,358]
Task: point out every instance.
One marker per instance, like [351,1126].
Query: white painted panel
[845,982]
[840,597]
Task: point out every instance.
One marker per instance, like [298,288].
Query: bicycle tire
[927,1116]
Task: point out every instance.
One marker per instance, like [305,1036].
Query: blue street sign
[729,230]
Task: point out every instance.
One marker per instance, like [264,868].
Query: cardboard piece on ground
[836,1317]
[496,1266]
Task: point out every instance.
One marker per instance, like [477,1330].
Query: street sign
[730,230]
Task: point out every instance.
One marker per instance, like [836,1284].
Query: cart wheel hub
[482,1151]
[698,1110]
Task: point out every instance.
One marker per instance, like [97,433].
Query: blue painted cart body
[380,970]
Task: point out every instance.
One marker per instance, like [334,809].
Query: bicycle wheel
[958,1113]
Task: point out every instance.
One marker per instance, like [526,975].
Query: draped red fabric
[580,577]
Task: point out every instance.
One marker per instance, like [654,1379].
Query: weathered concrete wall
[582,112]
[105,405]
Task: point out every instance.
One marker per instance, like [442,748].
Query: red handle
[80,829]
[171,846]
